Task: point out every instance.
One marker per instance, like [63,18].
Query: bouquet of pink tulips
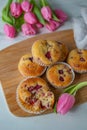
[29,16]
[67,99]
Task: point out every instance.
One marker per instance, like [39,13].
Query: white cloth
[80,29]
[84,13]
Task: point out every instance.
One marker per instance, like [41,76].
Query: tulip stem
[54,109]
[78,86]
[69,88]
[37,12]
[43,3]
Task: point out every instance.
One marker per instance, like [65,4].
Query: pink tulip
[52,25]
[15,9]
[30,18]
[46,13]
[9,30]
[65,103]
[26,6]
[61,15]
[28,29]
[39,25]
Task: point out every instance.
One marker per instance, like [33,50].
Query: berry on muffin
[60,75]
[46,52]
[34,96]
[77,59]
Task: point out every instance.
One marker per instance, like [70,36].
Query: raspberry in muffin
[28,68]
[60,75]
[46,52]
[34,96]
[77,59]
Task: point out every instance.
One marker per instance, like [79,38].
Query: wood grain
[10,77]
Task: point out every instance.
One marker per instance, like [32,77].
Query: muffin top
[78,60]
[46,52]
[28,67]
[34,96]
[64,51]
[60,75]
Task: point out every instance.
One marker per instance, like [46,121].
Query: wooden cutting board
[10,77]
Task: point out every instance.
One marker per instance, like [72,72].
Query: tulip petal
[46,12]
[61,15]
[70,103]
[62,101]
[30,18]
[52,25]
[15,9]
[39,25]
[65,103]
[26,6]
[9,30]
[28,29]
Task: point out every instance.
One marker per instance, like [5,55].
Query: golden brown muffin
[46,52]
[29,68]
[64,51]
[78,60]
[60,75]
[34,96]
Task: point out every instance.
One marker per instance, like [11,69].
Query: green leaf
[6,17]
[37,12]
[19,21]
[55,17]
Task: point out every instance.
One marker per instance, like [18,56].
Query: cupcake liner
[80,72]
[22,105]
[35,75]
[39,62]
[73,75]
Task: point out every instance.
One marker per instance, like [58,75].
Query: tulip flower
[67,99]
[15,9]
[26,6]
[46,13]
[37,12]
[30,18]
[65,103]
[28,29]
[9,30]
[61,15]
[39,25]
[52,25]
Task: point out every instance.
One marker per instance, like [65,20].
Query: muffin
[78,60]
[28,68]
[46,52]
[64,51]
[60,75]
[34,96]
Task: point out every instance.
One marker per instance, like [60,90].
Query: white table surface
[76,119]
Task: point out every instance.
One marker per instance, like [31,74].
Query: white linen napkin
[84,13]
[80,29]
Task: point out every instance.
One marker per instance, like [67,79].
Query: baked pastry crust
[28,68]
[64,51]
[77,59]
[46,52]
[34,96]
[60,75]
